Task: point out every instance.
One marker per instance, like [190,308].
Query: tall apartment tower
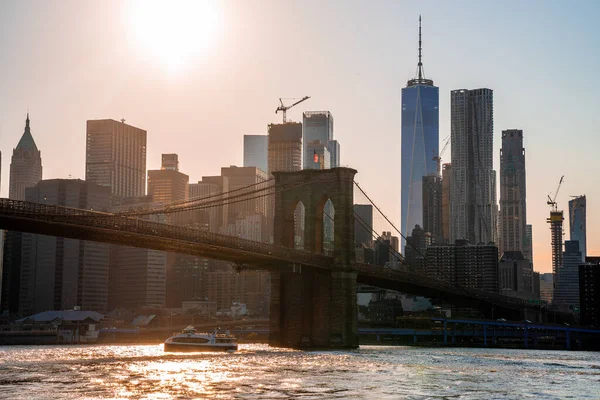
[285,147]
[25,172]
[473,208]
[25,166]
[513,211]
[419,143]
[577,224]
[318,130]
[255,151]
[116,157]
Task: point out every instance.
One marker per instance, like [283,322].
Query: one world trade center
[419,143]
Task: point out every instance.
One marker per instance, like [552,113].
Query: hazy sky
[70,61]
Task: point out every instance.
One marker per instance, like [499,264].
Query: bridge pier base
[313,309]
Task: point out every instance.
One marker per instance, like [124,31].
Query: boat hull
[177,347]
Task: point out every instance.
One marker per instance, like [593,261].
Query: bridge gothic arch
[315,307]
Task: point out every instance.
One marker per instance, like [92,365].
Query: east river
[260,372]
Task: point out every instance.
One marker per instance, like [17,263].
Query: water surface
[261,372]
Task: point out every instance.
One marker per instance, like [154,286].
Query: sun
[175,32]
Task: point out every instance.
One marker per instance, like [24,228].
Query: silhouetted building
[528,248]
[334,149]
[467,265]
[137,275]
[59,273]
[25,166]
[446,183]
[165,186]
[432,207]
[419,143]
[516,275]
[285,147]
[577,223]
[25,172]
[547,287]
[239,178]
[566,287]
[415,249]
[213,186]
[556,233]
[363,223]
[589,289]
[473,207]
[255,151]
[513,210]
[116,157]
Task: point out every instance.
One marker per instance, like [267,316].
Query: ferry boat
[190,340]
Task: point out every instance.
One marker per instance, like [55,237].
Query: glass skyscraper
[419,143]
[577,227]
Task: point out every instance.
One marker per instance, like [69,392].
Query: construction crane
[285,108]
[438,158]
[552,200]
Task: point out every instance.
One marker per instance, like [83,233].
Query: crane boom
[283,108]
[552,200]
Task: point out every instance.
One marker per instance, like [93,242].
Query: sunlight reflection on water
[259,372]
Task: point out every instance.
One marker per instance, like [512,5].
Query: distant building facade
[589,289]
[320,158]
[446,183]
[513,210]
[255,151]
[317,126]
[547,287]
[59,273]
[516,275]
[566,286]
[467,265]
[25,172]
[577,223]
[363,223]
[473,206]
[285,147]
[116,157]
[432,207]
[137,276]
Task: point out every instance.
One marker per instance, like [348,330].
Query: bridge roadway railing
[15,209]
[422,281]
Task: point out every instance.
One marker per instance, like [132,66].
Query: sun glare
[175,32]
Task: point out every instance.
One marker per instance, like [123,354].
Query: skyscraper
[566,282]
[363,223]
[285,147]
[116,157]
[317,128]
[25,172]
[25,166]
[168,185]
[419,143]
[446,183]
[577,228]
[432,207]
[60,273]
[165,186]
[473,208]
[513,211]
[255,151]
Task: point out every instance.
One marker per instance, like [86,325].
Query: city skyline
[63,120]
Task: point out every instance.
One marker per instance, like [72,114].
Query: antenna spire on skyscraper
[420,65]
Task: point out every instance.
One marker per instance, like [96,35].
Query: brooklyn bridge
[313,291]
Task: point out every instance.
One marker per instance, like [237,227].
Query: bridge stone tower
[315,307]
